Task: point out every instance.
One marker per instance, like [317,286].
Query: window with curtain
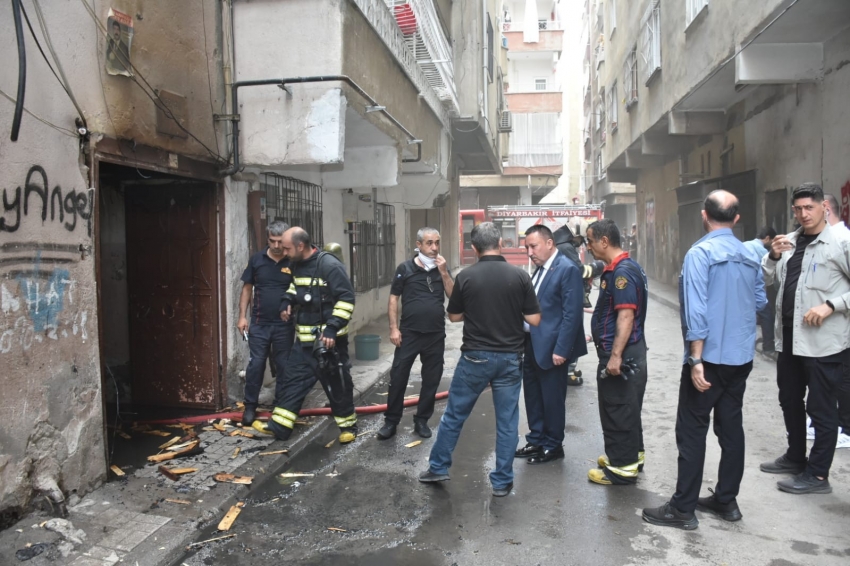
[536,140]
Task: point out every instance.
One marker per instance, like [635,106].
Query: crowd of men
[523,333]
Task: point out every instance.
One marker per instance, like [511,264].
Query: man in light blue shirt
[758,247]
[720,290]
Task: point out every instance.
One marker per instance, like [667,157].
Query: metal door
[173,294]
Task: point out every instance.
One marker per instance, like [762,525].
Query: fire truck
[514,220]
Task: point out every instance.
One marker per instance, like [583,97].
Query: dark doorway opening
[159,284]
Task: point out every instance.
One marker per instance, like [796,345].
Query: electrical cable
[22,70]
[65,84]
[158,102]
[64,131]
[209,75]
[43,54]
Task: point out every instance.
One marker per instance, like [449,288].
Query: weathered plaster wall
[836,115]
[307,127]
[52,438]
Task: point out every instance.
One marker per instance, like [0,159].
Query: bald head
[721,208]
[297,244]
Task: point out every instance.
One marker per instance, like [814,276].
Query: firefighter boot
[347,435]
[249,415]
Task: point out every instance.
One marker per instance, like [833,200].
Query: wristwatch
[830,305]
[692,361]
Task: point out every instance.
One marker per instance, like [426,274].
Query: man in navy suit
[551,347]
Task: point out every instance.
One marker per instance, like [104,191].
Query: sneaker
[805,482]
[669,516]
[421,428]
[387,431]
[726,511]
[843,440]
[782,465]
[502,491]
[430,477]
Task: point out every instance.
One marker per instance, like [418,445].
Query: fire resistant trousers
[620,405]
[302,374]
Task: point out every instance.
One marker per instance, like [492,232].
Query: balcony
[550,37]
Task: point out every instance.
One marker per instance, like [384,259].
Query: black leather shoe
[726,511]
[421,428]
[387,431]
[430,477]
[528,450]
[669,516]
[547,456]
[250,415]
[502,491]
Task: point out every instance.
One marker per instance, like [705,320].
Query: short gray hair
[420,235]
[485,237]
[277,228]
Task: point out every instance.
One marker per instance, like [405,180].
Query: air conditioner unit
[505,125]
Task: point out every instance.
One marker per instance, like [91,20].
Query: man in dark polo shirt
[421,282]
[268,276]
[617,327]
[492,298]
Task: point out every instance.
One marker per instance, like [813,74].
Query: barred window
[296,202]
[372,248]
[650,48]
[693,9]
[612,107]
[630,78]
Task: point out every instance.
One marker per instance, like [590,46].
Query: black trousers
[545,393]
[620,405]
[264,339]
[430,347]
[302,372]
[823,377]
[844,403]
[725,398]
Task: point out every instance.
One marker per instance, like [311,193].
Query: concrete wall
[524,73]
[52,440]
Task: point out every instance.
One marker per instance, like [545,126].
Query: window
[630,78]
[536,140]
[599,110]
[612,16]
[600,173]
[612,107]
[650,48]
[539,84]
[490,55]
[694,8]
[372,245]
[297,203]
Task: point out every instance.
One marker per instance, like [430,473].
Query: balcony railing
[526,87]
[425,39]
[383,21]
[542,25]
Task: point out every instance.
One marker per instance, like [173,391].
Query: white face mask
[427,262]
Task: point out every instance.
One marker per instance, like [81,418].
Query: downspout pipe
[282,83]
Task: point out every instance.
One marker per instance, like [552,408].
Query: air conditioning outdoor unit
[505,125]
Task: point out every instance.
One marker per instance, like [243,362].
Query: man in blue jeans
[492,298]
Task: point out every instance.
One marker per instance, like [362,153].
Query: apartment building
[136,184]
[697,95]
[532,39]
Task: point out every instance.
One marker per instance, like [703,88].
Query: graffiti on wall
[35,198]
[39,305]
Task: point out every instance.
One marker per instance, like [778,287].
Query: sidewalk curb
[663,300]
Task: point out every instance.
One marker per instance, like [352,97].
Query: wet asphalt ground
[365,505]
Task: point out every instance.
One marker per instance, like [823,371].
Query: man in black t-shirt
[421,282]
[267,277]
[492,298]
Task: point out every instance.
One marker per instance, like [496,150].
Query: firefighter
[321,300]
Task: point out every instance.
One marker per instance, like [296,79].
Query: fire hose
[318,411]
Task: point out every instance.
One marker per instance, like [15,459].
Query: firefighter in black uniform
[321,299]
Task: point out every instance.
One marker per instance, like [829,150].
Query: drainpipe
[485,66]
[282,83]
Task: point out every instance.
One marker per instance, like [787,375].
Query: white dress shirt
[538,280]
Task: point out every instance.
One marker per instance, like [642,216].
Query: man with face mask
[423,282]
